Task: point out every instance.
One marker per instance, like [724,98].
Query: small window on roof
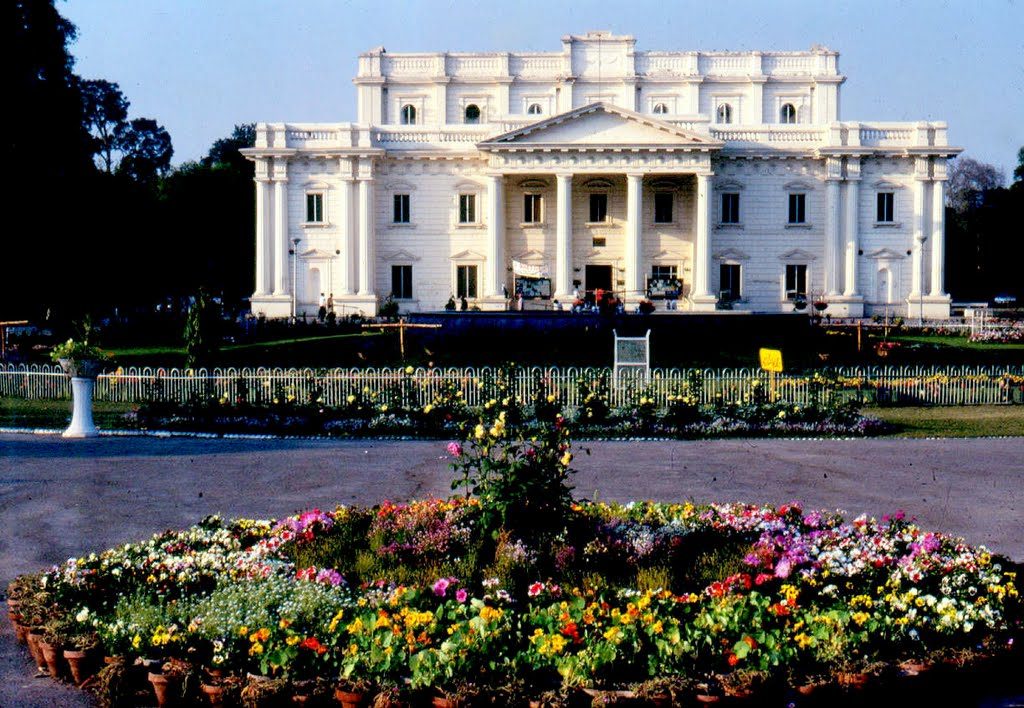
[725,113]
[472,113]
[408,114]
[787,114]
[534,109]
[660,108]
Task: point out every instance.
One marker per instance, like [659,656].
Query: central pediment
[600,126]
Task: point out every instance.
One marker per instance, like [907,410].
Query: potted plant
[82,362]
[80,653]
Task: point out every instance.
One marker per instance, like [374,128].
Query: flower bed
[518,592]
[724,592]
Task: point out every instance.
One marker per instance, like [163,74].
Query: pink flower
[454,449]
[441,587]
[461,595]
[535,589]
[783,568]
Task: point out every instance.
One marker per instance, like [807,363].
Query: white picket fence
[951,385]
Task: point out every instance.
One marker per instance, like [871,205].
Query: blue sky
[199,67]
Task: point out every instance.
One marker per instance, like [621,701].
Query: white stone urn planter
[83,374]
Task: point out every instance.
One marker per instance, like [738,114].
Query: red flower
[733,659]
[313,644]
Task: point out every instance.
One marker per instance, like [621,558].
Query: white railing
[788,64]
[666,63]
[950,385]
[536,65]
[770,134]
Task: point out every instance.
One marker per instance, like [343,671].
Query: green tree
[146,148]
[202,331]
[225,151]
[1018,171]
[106,116]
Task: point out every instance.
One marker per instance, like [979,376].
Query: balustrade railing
[950,385]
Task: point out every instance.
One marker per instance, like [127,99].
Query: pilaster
[563,237]
[634,228]
[833,246]
[495,237]
[700,294]
[280,178]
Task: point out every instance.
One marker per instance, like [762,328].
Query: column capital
[636,175]
[564,175]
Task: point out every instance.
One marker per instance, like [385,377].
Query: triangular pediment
[399,255]
[886,253]
[797,255]
[531,255]
[731,254]
[314,253]
[467,255]
[600,125]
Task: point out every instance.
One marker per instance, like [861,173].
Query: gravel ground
[60,498]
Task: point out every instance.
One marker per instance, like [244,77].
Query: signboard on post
[771,360]
[632,354]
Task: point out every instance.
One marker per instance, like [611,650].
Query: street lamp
[295,263]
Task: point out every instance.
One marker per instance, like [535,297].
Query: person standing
[321,313]
[463,303]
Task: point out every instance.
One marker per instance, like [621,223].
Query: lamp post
[295,263]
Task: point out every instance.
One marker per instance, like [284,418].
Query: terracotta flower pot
[53,655]
[914,667]
[214,694]
[351,699]
[852,680]
[32,639]
[81,664]
[165,688]
[20,633]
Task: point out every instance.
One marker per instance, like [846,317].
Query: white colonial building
[601,166]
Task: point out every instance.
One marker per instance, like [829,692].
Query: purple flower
[461,595]
[441,587]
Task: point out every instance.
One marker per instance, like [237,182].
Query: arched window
[408,114]
[725,113]
[661,108]
[787,114]
[534,109]
[472,113]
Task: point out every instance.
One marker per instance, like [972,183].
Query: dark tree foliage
[48,149]
[984,250]
[106,117]
[202,331]
[147,151]
[225,151]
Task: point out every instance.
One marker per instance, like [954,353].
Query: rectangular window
[729,281]
[598,208]
[531,209]
[401,209]
[663,208]
[730,208]
[314,208]
[467,208]
[401,282]
[796,281]
[885,207]
[797,208]
[663,272]
[465,281]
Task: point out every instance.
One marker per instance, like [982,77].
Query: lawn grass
[952,421]
[953,342]
[35,413]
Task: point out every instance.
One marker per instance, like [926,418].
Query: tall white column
[366,224]
[348,241]
[917,247]
[263,238]
[495,235]
[851,213]
[938,239]
[281,228]
[701,290]
[634,227]
[563,237]
[832,244]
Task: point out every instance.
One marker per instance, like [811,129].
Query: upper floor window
[667,273]
[534,109]
[598,208]
[408,114]
[796,281]
[314,208]
[472,113]
[787,114]
[400,213]
[886,201]
[467,208]
[663,208]
[532,209]
[660,108]
[798,208]
[724,113]
[730,208]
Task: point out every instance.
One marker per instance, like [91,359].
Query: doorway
[598,277]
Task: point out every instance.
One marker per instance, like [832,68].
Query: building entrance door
[598,277]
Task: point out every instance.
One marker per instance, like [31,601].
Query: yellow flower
[566,459]
[292,640]
[334,621]
[243,630]
[551,398]
[479,431]
[804,640]
[408,369]
[256,648]
[860,617]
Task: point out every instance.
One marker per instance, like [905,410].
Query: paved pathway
[60,498]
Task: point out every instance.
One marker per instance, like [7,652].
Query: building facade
[727,176]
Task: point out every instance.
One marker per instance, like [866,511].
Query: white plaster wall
[485,96]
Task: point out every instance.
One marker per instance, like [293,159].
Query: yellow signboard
[771,359]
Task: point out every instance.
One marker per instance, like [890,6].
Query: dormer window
[408,114]
[787,114]
[724,114]
[534,109]
[472,113]
[660,109]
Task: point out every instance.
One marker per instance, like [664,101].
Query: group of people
[599,300]
[326,309]
[450,305]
